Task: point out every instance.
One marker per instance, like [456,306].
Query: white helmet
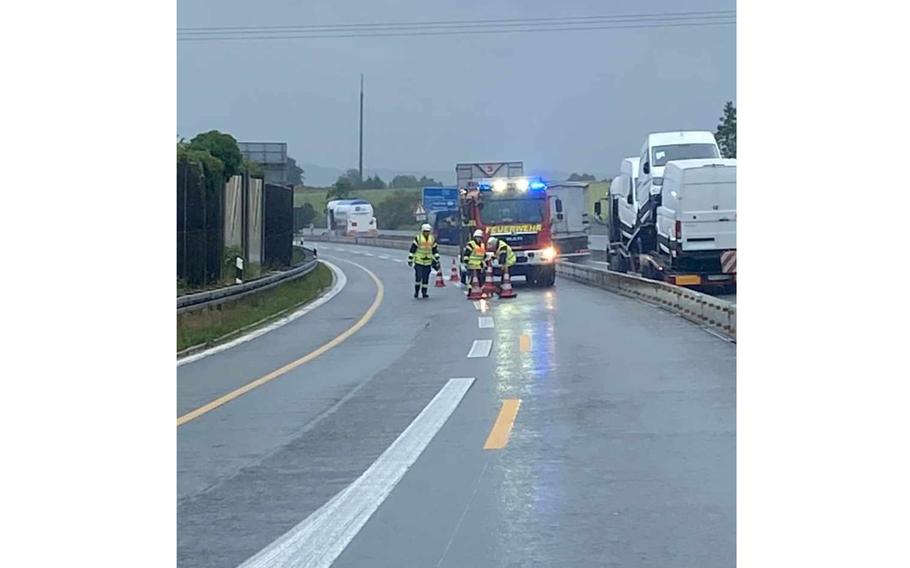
[478,233]
[426,227]
[491,242]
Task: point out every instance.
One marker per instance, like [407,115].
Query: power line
[445,32]
[462,23]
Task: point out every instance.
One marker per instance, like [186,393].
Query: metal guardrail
[211,298]
[713,313]
[716,314]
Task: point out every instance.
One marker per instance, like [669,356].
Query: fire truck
[502,202]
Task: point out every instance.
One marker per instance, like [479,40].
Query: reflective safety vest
[476,258]
[424,253]
[505,248]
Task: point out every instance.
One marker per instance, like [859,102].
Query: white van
[622,189]
[696,220]
[662,147]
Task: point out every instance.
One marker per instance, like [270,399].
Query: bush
[397,212]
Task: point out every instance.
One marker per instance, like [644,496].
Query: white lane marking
[320,538]
[480,348]
[485,322]
[476,304]
[397,260]
[340,282]
[368,254]
[384,256]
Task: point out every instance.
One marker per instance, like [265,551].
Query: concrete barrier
[713,313]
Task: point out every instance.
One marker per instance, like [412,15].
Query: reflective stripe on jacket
[505,254]
[424,250]
[473,255]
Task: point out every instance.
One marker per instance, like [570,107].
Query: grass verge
[209,325]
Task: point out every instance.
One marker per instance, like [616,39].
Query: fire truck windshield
[498,211]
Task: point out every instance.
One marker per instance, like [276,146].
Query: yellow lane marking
[380,292]
[499,435]
[524,343]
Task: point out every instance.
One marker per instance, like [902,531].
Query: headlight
[548,253]
[499,185]
[522,185]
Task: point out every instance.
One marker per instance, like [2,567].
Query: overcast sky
[564,101]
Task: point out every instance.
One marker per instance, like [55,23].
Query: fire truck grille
[523,241]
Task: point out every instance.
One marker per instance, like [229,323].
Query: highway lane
[596,242]
[622,450]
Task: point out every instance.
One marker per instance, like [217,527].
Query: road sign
[437,199]
[420,213]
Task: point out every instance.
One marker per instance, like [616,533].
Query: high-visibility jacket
[473,255]
[424,251]
[505,254]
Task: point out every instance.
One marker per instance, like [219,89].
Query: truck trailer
[569,214]
[688,237]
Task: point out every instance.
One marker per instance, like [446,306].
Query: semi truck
[568,210]
[499,199]
[350,217]
[688,235]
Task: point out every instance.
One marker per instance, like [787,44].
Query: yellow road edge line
[524,343]
[222,400]
[499,435]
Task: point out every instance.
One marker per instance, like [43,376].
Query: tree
[341,190]
[221,146]
[428,182]
[726,131]
[374,182]
[254,168]
[581,177]
[307,214]
[397,212]
[403,181]
[295,172]
[210,166]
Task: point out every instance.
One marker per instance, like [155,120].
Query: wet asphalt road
[622,452]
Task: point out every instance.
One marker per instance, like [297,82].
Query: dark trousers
[421,277]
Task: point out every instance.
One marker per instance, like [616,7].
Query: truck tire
[548,276]
[531,277]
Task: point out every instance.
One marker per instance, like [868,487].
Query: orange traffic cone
[440,283]
[506,291]
[455,277]
[476,293]
[489,288]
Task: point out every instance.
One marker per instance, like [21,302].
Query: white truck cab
[660,148]
[697,215]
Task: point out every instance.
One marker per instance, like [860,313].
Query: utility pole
[360,168]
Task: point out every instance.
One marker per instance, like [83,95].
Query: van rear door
[707,208]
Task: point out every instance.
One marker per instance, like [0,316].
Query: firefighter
[473,257]
[424,254]
[501,251]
